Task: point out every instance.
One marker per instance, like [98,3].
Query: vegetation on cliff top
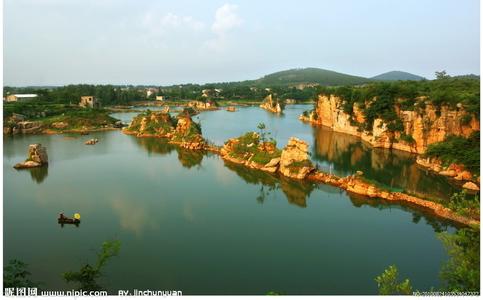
[252,145]
[73,117]
[378,100]
[459,150]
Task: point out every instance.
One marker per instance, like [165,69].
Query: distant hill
[310,75]
[397,75]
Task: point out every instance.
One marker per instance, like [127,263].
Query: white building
[20,97]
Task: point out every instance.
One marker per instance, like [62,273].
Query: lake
[191,222]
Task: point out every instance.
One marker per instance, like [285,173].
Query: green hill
[310,75]
[396,75]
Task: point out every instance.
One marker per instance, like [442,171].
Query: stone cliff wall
[426,126]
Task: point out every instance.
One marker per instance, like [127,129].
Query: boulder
[294,161]
[471,186]
[37,156]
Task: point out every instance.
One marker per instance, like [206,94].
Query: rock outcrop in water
[421,127]
[37,157]
[271,105]
[252,152]
[294,161]
[181,130]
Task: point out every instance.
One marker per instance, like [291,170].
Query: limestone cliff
[37,157]
[421,127]
[271,105]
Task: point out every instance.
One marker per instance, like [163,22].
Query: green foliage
[465,205]
[77,118]
[262,127]
[15,274]
[456,149]
[407,138]
[388,283]
[250,145]
[88,275]
[462,272]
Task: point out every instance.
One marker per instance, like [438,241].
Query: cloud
[226,19]
[170,23]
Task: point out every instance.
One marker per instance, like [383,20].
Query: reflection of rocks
[37,174]
[37,156]
[392,168]
[296,191]
[381,204]
[186,157]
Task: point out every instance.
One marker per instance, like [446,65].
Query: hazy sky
[55,42]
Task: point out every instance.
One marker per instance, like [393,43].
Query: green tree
[441,75]
[388,283]
[15,274]
[87,276]
[261,127]
[462,271]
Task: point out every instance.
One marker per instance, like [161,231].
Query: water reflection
[38,175]
[343,154]
[418,213]
[296,191]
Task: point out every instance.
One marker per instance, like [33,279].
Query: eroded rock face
[426,126]
[294,161]
[271,105]
[37,156]
[471,186]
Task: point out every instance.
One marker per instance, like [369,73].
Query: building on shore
[160,98]
[20,97]
[89,102]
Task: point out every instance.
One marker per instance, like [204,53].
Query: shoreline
[352,184]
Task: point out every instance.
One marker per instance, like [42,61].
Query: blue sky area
[56,42]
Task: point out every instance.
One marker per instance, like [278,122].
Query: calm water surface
[191,222]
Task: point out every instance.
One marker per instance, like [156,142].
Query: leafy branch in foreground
[15,274]
[462,271]
[87,275]
[388,283]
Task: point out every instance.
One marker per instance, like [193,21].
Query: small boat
[66,220]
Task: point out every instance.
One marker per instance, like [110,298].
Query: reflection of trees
[390,168]
[295,191]
[154,145]
[187,158]
[37,174]
[417,212]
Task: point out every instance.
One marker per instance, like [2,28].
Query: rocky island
[272,105]
[181,130]
[37,157]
